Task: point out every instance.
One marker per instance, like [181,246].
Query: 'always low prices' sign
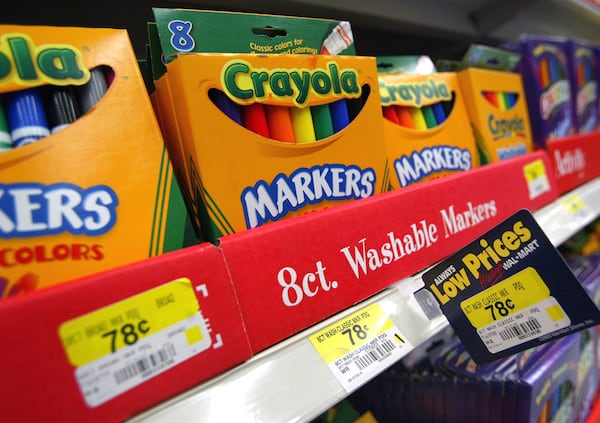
[510,290]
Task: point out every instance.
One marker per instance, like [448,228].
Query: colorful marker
[448,106]
[438,111]
[429,117]
[355,105]
[61,106]
[280,123]
[389,112]
[26,117]
[510,99]
[5,140]
[254,119]
[90,93]
[225,104]
[417,118]
[339,114]
[322,121]
[492,98]
[544,73]
[404,117]
[304,131]
[555,71]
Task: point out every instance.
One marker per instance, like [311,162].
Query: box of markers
[497,107]
[426,126]
[86,181]
[546,75]
[259,135]
[584,71]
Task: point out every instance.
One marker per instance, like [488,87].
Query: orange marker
[280,123]
[544,73]
[404,117]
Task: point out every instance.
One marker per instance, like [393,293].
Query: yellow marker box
[242,171]
[97,193]
[426,127]
[498,112]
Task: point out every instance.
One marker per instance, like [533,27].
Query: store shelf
[442,28]
[291,382]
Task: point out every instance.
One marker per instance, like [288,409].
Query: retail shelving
[439,27]
[291,382]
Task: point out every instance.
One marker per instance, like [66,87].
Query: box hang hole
[269,31]
[493,61]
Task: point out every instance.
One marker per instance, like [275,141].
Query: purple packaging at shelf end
[584,74]
[545,72]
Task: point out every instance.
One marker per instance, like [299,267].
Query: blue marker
[90,93]
[439,112]
[339,115]
[26,117]
[226,105]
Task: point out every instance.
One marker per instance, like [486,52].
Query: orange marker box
[431,136]
[244,179]
[498,112]
[98,193]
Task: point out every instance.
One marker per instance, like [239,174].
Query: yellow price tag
[573,204]
[106,330]
[508,297]
[350,333]
[534,170]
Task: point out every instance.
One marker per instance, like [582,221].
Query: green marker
[429,116]
[5,140]
[322,121]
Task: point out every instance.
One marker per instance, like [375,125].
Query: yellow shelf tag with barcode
[104,331]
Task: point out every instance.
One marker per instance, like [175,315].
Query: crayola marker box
[260,137]
[248,177]
[497,107]
[545,71]
[426,127]
[86,181]
[583,67]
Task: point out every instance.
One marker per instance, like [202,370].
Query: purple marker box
[546,78]
[583,67]
[548,389]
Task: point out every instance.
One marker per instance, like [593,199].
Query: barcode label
[358,366]
[116,373]
[523,330]
[378,353]
[538,320]
[145,364]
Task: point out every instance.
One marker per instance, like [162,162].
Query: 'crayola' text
[23,62]
[245,84]
[413,92]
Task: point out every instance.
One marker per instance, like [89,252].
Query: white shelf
[290,381]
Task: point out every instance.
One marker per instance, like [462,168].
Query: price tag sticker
[514,310]
[536,177]
[509,290]
[575,206]
[360,346]
[122,345]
